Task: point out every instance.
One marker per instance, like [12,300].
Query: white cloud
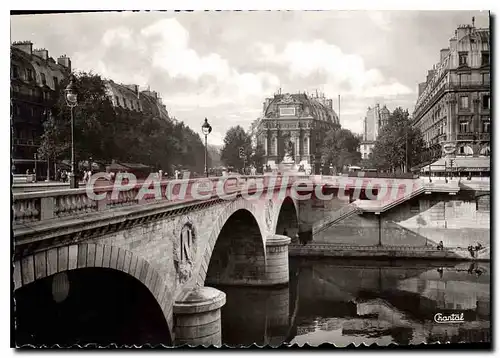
[172,54]
[118,34]
[381,18]
[309,58]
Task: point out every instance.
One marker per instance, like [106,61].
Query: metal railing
[423,106]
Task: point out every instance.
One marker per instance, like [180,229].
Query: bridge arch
[235,251]
[286,218]
[87,283]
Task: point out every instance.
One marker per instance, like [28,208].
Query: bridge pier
[198,317]
[277,270]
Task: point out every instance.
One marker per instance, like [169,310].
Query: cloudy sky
[222,65]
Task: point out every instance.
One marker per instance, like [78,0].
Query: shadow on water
[362,301]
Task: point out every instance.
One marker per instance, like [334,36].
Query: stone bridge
[174,245]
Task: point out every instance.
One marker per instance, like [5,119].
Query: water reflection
[255,315]
[346,302]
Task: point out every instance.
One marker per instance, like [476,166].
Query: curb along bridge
[171,248]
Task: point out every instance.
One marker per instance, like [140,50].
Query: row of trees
[105,133]
[399,147]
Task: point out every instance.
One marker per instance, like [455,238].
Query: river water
[359,301]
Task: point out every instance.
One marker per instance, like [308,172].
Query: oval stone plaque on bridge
[185,251]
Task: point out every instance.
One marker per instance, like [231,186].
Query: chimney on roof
[430,73]
[42,53]
[25,46]
[463,30]
[64,61]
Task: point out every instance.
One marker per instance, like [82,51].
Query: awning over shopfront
[115,167]
[464,164]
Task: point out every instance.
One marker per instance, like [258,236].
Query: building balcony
[442,138]
[424,104]
[479,85]
[484,136]
[40,100]
[26,142]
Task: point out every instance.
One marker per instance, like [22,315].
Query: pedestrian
[440,245]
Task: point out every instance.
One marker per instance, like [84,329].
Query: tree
[108,133]
[258,156]
[214,154]
[94,121]
[397,141]
[235,138]
[340,148]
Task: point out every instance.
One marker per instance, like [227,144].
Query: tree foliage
[235,138]
[106,133]
[398,136]
[258,156]
[340,148]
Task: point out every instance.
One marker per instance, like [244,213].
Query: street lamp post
[206,128]
[34,172]
[72,102]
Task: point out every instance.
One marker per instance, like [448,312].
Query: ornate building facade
[34,83]
[453,105]
[375,119]
[292,128]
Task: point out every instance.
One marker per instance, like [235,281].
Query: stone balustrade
[53,204]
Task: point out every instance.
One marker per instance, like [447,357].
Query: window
[485,151]
[462,59]
[464,79]
[485,59]
[29,74]
[462,150]
[44,81]
[15,110]
[15,71]
[464,102]
[485,125]
[117,100]
[464,126]
[483,203]
[56,82]
[486,78]
[486,102]
[32,112]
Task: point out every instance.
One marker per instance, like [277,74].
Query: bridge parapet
[54,204]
